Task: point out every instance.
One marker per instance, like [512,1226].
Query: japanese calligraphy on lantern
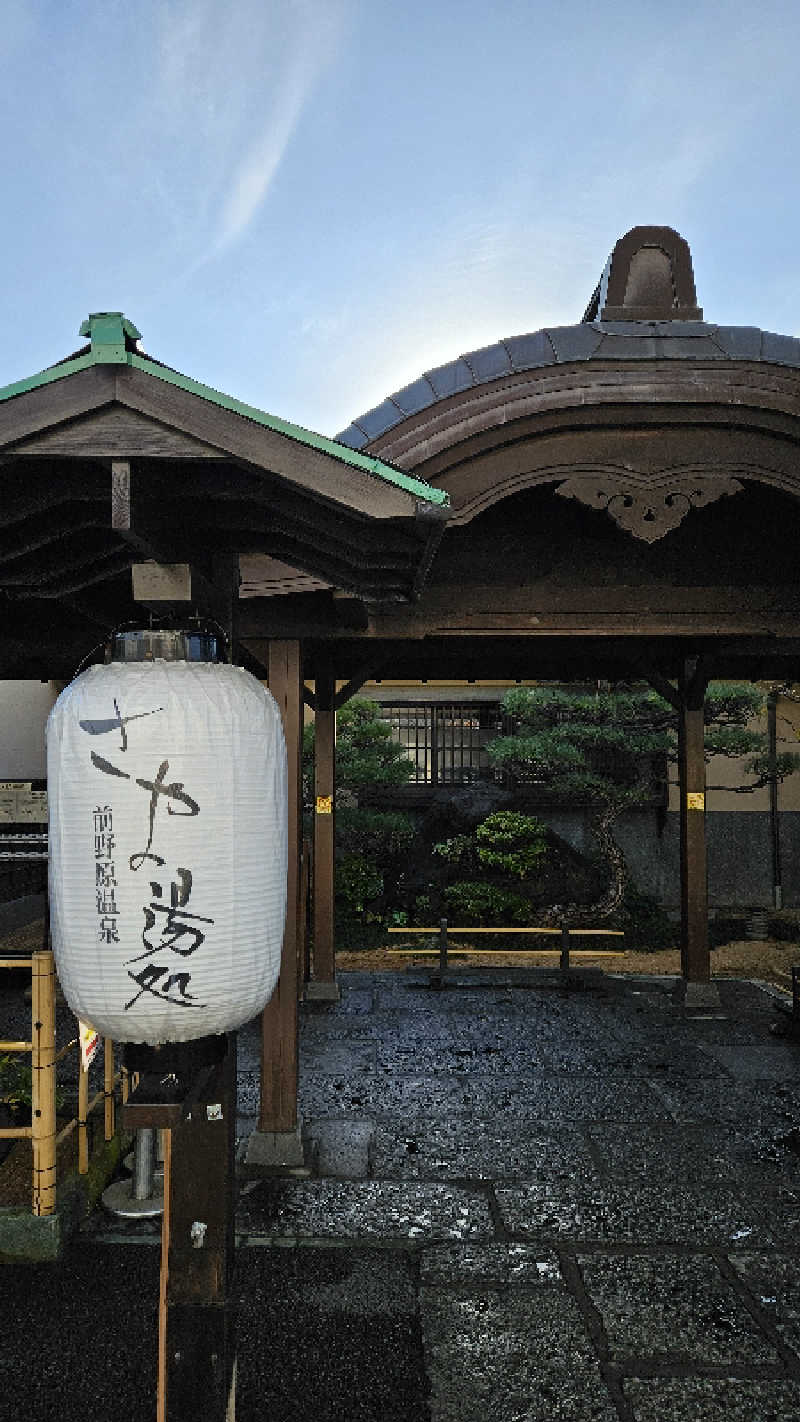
[168,845]
[170,930]
[105,875]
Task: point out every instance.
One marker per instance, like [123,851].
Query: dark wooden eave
[113,465]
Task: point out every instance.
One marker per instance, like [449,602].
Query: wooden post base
[196,1324]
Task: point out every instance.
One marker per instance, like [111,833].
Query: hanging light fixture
[168,840]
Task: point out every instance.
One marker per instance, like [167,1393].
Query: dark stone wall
[739,854]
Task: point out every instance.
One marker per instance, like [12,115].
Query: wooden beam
[324,825]
[312,471]
[102,568]
[163,582]
[695,951]
[180,589]
[196,1312]
[121,514]
[666,689]
[51,404]
[43,530]
[365,672]
[38,576]
[279,1046]
[224,586]
[350,688]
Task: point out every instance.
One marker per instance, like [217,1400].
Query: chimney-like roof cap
[648,277]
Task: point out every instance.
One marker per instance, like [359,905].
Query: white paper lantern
[168,844]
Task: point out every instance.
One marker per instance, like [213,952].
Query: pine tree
[608,750]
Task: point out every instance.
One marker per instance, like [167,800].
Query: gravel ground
[764,960]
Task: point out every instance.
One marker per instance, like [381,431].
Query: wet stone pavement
[520,1201]
[599,1190]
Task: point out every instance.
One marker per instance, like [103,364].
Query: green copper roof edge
[44,377]
[367,463]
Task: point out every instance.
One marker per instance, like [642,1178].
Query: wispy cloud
[231,89]
[252,177]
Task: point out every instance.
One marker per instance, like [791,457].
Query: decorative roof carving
[645,506]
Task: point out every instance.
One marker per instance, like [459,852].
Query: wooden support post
[443,946]
[564,958]
[196,1353]
[304,935]
[43,1037]
[439,976]
[324,970]
[161,583]
[109,1112]
[695,952]
[226,578]
[279,1019]
[774,817]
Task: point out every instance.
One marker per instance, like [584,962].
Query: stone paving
[519,1201]
[599,1190]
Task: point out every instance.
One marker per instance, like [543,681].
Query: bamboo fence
[42,1132]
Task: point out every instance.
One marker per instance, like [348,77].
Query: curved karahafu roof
[644,309]
[642,409]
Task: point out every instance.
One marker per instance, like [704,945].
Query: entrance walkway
[599,1193]
[525,1204]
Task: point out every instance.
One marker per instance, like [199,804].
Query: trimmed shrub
[485,905]
[381,835]
[512,842]
[455,850]
[371,852]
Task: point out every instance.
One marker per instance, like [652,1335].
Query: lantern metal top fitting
[150,644]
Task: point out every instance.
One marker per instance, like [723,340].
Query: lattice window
[445,741]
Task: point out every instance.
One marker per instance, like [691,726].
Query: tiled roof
[561,345]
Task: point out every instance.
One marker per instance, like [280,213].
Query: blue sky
[306,203]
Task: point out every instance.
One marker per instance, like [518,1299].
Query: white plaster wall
[24,708]
[727,773]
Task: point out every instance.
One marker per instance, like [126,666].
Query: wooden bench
[562,931]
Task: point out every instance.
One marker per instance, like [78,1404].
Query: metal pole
[83,1117]
[144,1164]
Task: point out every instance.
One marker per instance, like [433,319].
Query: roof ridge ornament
[112,336]
[648,277]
